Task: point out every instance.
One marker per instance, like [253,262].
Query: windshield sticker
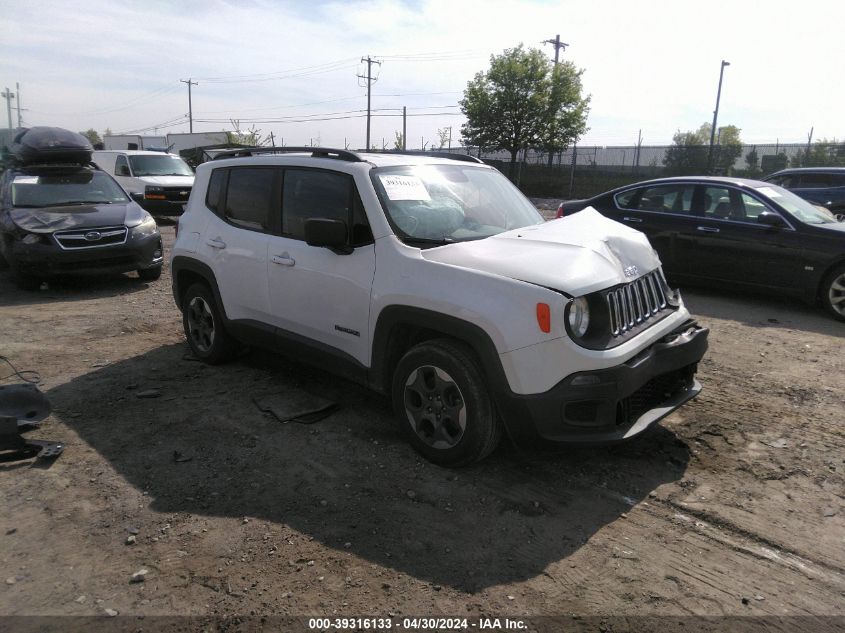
[768,191]
[404,188]
[26,180]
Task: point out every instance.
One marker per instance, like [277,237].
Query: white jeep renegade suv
[435,281]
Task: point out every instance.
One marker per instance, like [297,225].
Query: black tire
[442,404]
[832,292]
[149,274]
[203,324]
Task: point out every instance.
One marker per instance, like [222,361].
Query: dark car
[58,219]
[734,232]
[824,186]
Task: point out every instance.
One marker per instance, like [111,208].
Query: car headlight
[136,216]
[578,316]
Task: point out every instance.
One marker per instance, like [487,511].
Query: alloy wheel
[836,294]
[435,407]
[201,324]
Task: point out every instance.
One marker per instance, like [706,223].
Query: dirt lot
[734,506]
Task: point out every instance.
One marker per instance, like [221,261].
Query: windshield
[798,207]
[451,203]
[163,165]
[65,188]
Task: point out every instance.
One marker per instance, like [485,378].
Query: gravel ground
[732,506]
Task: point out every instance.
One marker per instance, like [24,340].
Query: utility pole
[558,45]
[404,127]
[190,110]
[639,146]
[370,61]
[8,96]
[18,103]
[715,117]
[272,140]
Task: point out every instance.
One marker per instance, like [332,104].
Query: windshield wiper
[70,203]
[409,239]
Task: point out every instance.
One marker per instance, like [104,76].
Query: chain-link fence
[583,171]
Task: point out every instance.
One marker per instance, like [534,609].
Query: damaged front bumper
[613,404]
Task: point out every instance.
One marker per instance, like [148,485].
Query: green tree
[399,140]
[524,101]
[823,153]
[249,138]
[752,160]
[690,151]
[91,135]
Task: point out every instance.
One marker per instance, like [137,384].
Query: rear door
[659,211]
[234,242]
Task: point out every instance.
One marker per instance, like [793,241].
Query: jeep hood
[577,254]
[52,219]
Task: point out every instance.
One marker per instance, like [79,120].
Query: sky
[291,67]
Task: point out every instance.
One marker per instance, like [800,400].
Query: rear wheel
[442,404]
[833,292]
[204,329]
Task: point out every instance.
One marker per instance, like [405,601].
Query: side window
[751,207]
[717,203]
[250,196]
[665,199]
[311,193]
[625,200]
[215,190]
[121,166]
[814,181]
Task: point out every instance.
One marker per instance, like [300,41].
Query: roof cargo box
[51,145]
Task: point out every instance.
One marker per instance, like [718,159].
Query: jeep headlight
[578,317]
[137,217]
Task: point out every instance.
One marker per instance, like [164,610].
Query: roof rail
[461,157]
[316,152]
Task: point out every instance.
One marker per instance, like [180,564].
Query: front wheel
[442,404]
[833,293]
[207,337]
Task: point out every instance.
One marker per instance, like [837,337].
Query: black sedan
[734,232]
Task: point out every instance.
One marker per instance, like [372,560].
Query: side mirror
[122,170]
[332,234]
[771,219]
[137,196]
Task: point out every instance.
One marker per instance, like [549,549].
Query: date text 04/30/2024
[418,624]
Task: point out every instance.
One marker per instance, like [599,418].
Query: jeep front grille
[95,237]
[637,302]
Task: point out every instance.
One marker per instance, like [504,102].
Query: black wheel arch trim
[180,264]
[386,354]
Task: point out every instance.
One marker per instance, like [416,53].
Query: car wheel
[207,337]
[442,404]
[149,274]
[833,293]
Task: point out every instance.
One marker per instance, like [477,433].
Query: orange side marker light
[544,317]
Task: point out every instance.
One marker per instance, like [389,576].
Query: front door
[315,292]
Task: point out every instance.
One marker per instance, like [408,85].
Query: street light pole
[715,118]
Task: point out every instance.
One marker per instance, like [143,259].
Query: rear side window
[309,193]
[662,199]
[249,197]
[215,190]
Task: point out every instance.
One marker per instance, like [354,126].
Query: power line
[273,75]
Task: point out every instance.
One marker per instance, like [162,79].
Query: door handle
[627,219]
[216,243]
[708,229]
[283,260]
